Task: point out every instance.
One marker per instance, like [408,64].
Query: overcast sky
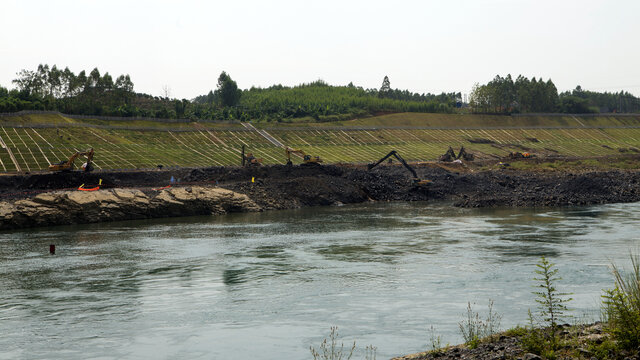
[423,46]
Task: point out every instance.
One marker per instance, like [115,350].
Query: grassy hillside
[34,148]
[474,121]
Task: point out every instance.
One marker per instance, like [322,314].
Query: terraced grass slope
[32,142]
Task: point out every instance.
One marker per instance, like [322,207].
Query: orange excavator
[306,159]
[67,165]
[249,159]
[519,155]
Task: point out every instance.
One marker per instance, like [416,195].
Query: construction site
[32,142]
[517,161]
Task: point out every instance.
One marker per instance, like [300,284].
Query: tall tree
[385,89]
[227,93]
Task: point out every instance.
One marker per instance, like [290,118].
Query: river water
[269,285]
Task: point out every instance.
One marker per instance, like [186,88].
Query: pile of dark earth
[281,186]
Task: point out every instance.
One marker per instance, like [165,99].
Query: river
[269,285]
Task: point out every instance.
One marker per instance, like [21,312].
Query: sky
[423,46]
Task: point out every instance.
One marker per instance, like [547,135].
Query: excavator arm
[68,165]
[395,154]
[306,159]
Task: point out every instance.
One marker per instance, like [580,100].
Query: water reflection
[225,287]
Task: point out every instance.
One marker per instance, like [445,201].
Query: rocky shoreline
[585,342]
[74,207]
[32,200]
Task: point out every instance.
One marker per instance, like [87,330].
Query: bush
[474,328]
[330,350]
[622,306]
[551,302]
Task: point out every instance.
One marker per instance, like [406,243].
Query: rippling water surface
[269,285]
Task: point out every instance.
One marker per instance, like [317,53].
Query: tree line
[93,93]
[503,95]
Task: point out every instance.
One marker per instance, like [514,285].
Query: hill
[30,142]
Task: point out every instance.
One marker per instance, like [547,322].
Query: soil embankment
[71,207]
[281,187]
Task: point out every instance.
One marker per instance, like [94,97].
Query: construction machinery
[416,180]
[249,159]
[450,155]
[519,155]
[67,165]
[306,159]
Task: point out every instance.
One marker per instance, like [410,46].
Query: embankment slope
[217,190]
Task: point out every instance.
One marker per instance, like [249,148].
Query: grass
[470,121]
[60,119]
[330,349]
[190,145]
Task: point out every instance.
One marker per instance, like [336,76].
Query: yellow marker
[253,179]
[100,182]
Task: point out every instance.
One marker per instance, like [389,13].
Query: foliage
[48,88]
[227,93]
[385,89]
[551,302]
[533,340]
[574,105]
[593,101]
[330,350]
[503,95]
[436,341]
[622,306]
[474,328]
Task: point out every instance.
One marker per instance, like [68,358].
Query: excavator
[68,164]
[450,155]
[249,159]
[519,155]
[416,179]
[306,159]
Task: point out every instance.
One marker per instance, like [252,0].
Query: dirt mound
[481,141]
[281,186]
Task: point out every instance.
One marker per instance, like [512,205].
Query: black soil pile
[281,187]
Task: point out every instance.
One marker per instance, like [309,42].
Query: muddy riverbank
[282,187]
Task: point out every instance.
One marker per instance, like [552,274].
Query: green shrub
[621,306]
[533,340]
[436,343]
[551,302]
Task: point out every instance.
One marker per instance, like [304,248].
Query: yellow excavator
[249,159]
[306,159]
[67,165]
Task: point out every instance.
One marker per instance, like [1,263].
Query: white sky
[423,46]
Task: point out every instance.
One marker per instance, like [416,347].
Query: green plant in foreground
[551,302]
[533,340]
[436,343]
[621,306]
[330,350]
[474,328]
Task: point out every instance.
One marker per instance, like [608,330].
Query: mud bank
[32,200]
[279,187]
[77,207]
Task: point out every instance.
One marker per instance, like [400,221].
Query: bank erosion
[54,199]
